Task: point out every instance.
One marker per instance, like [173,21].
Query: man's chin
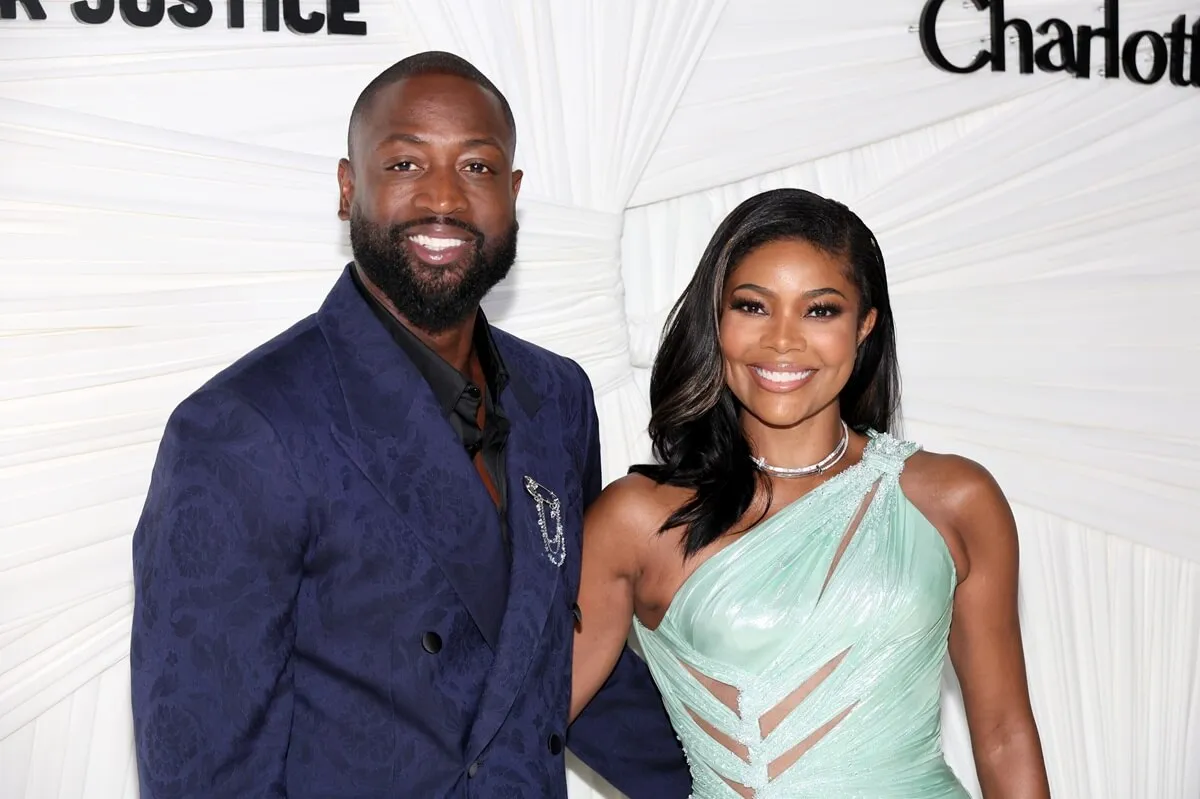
[439,284]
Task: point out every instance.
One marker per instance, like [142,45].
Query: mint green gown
[804,659]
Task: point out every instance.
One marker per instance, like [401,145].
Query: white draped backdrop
[167,201]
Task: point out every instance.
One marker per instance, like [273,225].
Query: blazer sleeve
[217,559]
[624,733]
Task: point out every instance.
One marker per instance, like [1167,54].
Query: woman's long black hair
[694,423]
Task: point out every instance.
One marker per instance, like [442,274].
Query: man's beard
[432,298]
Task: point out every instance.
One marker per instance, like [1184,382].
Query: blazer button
[555,743]
[431,642]
[473,769]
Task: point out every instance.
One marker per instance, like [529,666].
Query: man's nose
[440,193]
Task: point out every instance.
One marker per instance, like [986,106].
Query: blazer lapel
[535,565]
[396,434]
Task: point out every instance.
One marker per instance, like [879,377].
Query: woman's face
[789,331]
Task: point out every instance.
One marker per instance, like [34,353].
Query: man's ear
[345,176]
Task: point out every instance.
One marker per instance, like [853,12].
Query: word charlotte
[197,13]
[1070,50]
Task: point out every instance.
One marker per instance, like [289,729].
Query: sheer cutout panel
[738,749]
[724,693]
[775,716]
[728,696]
[761,727]
[848,536]
[768,721]
[788,759]
[738,788]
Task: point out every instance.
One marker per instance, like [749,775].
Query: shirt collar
[447,383]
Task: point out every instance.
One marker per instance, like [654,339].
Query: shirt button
[431,642]
[555,744]
[472,769]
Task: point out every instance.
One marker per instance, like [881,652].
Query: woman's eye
[824,311]
[747,306]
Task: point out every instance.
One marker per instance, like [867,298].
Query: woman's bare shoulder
[963,501]
[633,508]
[950,486]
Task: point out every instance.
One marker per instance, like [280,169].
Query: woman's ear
[867,325]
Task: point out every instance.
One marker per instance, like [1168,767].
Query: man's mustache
[397,232]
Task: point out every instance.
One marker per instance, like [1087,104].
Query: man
[357,565]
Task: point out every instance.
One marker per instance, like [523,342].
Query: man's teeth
[436,243]
[783,377]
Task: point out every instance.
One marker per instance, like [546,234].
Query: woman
[795,575]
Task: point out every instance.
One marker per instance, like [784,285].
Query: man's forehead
[436,103]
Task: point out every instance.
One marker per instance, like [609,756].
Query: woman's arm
[985,638]
[612,532]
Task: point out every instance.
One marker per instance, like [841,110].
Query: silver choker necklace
[804,471]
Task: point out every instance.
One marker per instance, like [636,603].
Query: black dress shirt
[458,395]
